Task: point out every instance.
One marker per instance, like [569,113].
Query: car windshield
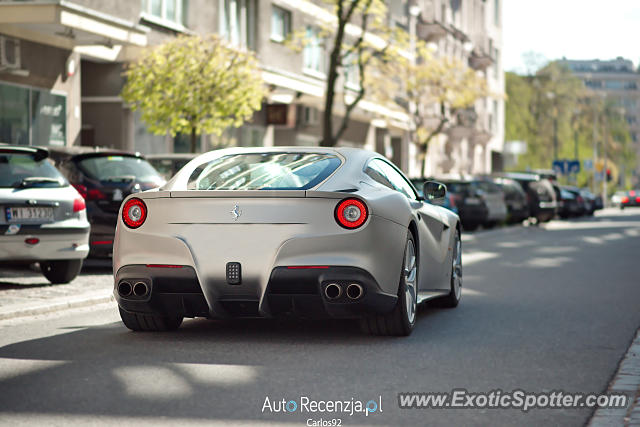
[117,168]
[264,171]
[22,170]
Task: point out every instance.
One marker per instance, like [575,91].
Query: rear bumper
[72,244]
[297,291]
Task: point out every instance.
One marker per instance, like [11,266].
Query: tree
[419,84]
[194,85]
[552,109]
[359,38]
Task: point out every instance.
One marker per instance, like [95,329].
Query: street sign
[573,166]
[588,164]
[566,167]
[558,167]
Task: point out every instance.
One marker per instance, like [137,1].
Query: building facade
[619,81]
[63,62]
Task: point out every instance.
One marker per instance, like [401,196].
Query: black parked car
[472,208]
[515,199]
[541,196]
[583,205]
[568,203]
[170,163]
[104,179]
[594,202]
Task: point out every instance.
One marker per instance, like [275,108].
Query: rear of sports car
[265,248]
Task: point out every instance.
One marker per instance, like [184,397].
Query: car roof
[77,153]
[172,156]
[525,176]
[37,152]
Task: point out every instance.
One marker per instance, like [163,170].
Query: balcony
[431,31]
[479,60]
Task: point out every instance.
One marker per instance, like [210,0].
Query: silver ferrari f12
[261,232]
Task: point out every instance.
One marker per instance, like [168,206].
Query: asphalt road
[550,308]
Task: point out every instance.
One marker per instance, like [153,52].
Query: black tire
[396,322]
[453,298]
[470,226]
[61,271]
[149,322]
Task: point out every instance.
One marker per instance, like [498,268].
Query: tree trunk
[332,77]
[424,161]
[194,139]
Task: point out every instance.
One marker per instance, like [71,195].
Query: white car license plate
[472,201]
[39,214]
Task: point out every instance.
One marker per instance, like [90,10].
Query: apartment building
[62,65]
[619,81]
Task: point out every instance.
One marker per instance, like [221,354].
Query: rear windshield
[458,187]
[264,171]
[119,168]
[487,187]
[22,170]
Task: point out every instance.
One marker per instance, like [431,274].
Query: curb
[627,381]
[57,304]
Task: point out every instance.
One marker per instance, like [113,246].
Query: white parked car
[43,218]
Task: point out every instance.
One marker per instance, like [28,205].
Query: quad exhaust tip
[125,289]
[140,289]
[354,291]
[333,291]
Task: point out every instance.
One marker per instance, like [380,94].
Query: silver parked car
[43,218]
[317,232]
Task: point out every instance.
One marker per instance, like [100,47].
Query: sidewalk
[626,380]
[25,292]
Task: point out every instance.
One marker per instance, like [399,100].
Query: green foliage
[358,38]
[194,85]
[418,84]
[553,103]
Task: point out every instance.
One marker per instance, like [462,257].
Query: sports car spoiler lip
[234,194]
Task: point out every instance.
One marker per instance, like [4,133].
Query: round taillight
[134,213]
[351,213]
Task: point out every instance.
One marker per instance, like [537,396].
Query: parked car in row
[541,196]
[472,208]
[570,202]
[104,178]
[44,219]
[515,198]
[169,164]
[493,196]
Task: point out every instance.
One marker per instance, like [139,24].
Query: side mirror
[434,191]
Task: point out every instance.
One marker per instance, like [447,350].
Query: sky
[575,29]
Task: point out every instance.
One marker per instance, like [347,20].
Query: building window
[351,71]
[237,22]
[496,13]
[313,52]
[614,84]
[32,116]
[165,11]
[280,23]
[496,63]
